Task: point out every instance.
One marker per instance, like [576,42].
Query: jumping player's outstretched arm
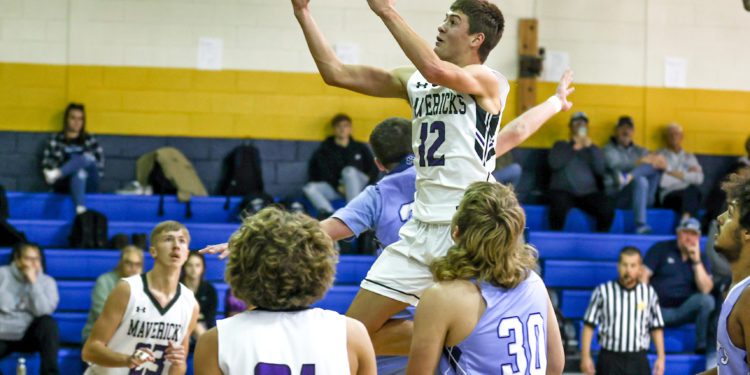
[95,349]
[523,126]
[473,79]
[359,78]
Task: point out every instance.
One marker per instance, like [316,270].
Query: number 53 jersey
[303,342]
[148,325]
[453,139]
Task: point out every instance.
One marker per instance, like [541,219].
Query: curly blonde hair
[280,261]
[490,245]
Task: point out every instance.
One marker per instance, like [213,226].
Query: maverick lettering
[154,330]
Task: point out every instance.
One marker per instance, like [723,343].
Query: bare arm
[658,336]
[555,351]
[177,354]
[362,79]
[95,349]
[587,364]
[336,229]
[471,79]
[702,279]
[430,330]
[361,352]
[522,127]
[207,354]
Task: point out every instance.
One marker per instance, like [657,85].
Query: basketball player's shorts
[402,271]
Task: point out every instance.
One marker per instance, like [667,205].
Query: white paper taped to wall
[210,53]
[555,64]
[348,53]
[675,72]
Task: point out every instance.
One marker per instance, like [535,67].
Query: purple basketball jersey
[510,337]
[730,359]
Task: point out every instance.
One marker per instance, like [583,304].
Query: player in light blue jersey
[489,312]
[733,242]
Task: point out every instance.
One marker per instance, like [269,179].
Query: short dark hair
[630,250]
[484,17]
[737,187]
[625,121]
[391,140]
[17,251]
[340,117]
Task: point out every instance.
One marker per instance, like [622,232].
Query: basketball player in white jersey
[146,323]
[280,264]
[457,103]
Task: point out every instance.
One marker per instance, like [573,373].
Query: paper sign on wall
[675,72]
[555,64]
[210,53]
[348,53]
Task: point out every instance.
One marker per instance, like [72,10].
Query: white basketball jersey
[305,342]
[147,325]
[453,140]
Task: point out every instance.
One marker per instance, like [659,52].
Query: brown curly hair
[737,187]
[490,245]
[280,260]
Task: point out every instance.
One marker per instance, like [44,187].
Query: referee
[626,311]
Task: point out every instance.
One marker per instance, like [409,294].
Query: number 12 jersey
[453,139]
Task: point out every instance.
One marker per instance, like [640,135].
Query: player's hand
[659,366]
[222,249]
[300,6]
[175,353]
[381,6]
[564,89]
[139,357]
[587,365]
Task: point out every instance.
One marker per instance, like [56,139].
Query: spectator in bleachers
[682,177]
[130,263]
[681,276]
[624,350]
[233,305]
[28,297]
[577,168]
[633,173]
[507,171]
[73,161]
[339,167]
[193,273]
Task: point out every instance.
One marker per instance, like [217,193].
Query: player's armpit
[743,304]
[95,349]
[360,349]
[206,359]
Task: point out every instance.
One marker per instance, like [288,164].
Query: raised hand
[175,353]
[380,6]
[299,5]
[222,249]
[564,89]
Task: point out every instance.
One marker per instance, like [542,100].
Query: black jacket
[330,159]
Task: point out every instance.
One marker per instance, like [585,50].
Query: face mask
[582,131]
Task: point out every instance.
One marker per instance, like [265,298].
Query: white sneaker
[132,188]
[51,175]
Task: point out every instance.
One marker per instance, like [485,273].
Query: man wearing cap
[633,173]
[680,274]
[577,167]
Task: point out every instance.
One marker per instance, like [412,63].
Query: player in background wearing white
[489,312]
[733,242]
[279,264]
[457,104]
[146,322]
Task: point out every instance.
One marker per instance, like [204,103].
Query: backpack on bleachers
[242,173]
[89,231]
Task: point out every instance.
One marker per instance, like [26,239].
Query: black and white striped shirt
[625,316]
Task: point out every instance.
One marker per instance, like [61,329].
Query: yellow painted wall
[274,105]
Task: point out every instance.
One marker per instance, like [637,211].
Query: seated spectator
[507,171]
[623,351]
[633,173]
[577,167]
[339,166]
[192,276]
[680,274]
[233,305]
[28,297]
[131,263]
[682,177]
[73,161]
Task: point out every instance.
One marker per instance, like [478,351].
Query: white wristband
[556,102]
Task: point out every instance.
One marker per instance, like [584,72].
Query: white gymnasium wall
[620,42]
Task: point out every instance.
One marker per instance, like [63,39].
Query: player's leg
[374,311]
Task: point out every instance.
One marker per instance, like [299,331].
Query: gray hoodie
[620,159]
[21,301]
